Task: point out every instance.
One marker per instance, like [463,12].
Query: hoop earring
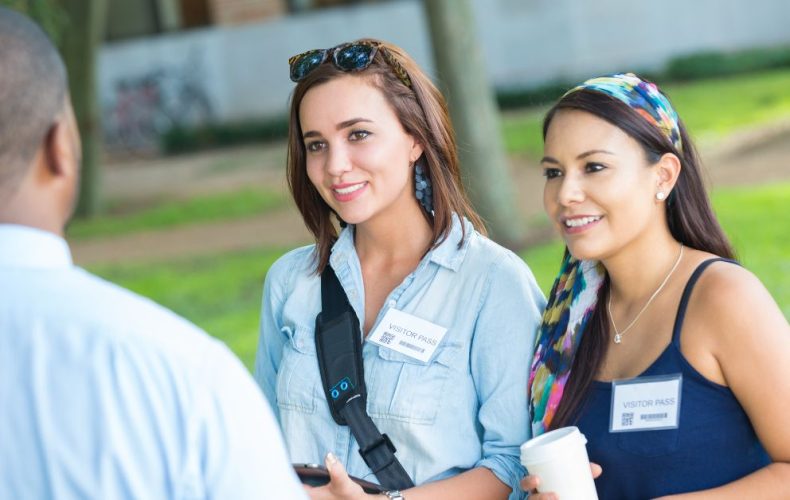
[422,187]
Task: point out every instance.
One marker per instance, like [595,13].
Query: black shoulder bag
[338,343]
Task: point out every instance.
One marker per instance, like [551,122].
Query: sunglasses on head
[348,57]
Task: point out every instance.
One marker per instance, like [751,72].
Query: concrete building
[231,55]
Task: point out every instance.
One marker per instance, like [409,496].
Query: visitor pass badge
[646,403]
[408,335]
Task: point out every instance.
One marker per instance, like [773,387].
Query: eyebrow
[339,126]
[549,159]
[353,121]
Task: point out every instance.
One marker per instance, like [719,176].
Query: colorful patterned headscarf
[643,96]
[575,292]
[571,304]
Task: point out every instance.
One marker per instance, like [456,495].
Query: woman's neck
[636,270]
[393,237]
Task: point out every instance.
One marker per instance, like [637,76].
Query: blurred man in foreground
[103,394]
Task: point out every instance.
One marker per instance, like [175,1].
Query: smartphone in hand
[317,475]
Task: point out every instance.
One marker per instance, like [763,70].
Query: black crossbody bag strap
[338,342]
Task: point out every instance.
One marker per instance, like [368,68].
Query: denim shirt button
[352,294]
[392,303]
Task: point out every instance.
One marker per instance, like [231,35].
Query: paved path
[753,157]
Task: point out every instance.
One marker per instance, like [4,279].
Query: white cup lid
[553,444]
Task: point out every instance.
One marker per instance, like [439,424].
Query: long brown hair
[422,111]
[689,215]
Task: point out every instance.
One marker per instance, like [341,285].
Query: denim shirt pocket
[406,389]
[298,377]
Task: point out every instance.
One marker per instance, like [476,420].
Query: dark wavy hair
[689,215]
[422,111]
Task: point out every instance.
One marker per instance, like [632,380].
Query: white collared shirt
[104,394]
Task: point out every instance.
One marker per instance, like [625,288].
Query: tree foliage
[47,13]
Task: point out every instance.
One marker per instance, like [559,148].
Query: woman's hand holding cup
[559,457]
[530,484]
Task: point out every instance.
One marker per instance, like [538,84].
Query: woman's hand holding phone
[340,486]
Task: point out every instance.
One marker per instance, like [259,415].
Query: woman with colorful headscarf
[672,360]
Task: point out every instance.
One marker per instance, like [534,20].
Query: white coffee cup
[559,458]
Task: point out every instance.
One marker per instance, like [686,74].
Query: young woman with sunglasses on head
[672,360]
[371,147]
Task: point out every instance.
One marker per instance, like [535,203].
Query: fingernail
[330,460]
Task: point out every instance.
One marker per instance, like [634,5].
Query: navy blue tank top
[714,443]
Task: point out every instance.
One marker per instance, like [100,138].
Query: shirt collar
[28,247]
[447,254]
[345,240]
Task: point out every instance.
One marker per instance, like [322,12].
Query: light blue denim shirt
[464,408]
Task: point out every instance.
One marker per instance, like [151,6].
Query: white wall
[243,71]
[532,41]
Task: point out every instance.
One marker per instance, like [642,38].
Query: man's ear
[61,158]
[51,154]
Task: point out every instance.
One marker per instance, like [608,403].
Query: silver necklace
[618,335]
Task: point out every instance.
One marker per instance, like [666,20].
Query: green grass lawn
[750,99]
[710,108]
[222,293]
[759,232]
[208,208]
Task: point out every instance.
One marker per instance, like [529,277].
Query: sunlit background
[187,203]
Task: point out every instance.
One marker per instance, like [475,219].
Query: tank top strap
[684,299]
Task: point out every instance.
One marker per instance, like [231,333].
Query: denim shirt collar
[446,254]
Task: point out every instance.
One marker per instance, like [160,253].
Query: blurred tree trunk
[80,42]
[475,117]
[169,15]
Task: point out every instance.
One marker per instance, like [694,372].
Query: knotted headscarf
[643,97]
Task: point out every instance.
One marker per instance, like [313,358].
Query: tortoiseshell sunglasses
[349,57]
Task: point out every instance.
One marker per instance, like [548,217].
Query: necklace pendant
[617,338]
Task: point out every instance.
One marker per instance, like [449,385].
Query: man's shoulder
[103,312]
[130,305]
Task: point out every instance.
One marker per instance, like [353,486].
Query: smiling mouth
[349,189]
[581,221]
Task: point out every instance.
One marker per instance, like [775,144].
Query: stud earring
[660,195]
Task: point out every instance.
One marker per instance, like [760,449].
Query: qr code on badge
[627,420]
[387,338]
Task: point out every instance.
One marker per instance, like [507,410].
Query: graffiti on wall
[143,107]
